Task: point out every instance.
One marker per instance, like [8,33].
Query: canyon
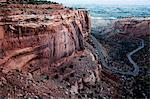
[44,53]
[124,50]
[48,51]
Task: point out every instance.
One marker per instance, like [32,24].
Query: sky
[109,2]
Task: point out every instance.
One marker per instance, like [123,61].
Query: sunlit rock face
[40,39]
[134,27]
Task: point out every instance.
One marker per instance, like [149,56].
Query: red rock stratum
[44,38]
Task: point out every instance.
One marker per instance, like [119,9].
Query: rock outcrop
[134,27]
[43,38]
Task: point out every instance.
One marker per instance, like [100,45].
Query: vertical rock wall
[41,39]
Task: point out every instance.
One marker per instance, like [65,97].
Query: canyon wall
[134,27]
[40,39]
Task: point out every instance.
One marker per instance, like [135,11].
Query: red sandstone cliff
[44,54]
[134,27]
[48,37]
[37,43]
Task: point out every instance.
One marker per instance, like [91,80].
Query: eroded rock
[134,27]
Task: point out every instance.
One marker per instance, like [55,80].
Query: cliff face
[45,53]
[41,39]
[42,52]
[134,27]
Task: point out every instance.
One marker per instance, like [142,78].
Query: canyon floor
[120,38]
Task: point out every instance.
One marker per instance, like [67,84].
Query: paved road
[102,58]
[136,67]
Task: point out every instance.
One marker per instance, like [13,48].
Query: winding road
[135,72]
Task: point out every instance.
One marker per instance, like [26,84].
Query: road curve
[98,47]
[136,67]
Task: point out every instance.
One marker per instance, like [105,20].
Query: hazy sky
[113,2]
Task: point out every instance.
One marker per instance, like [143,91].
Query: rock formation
[45,53]
[48,37]
[134,27]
